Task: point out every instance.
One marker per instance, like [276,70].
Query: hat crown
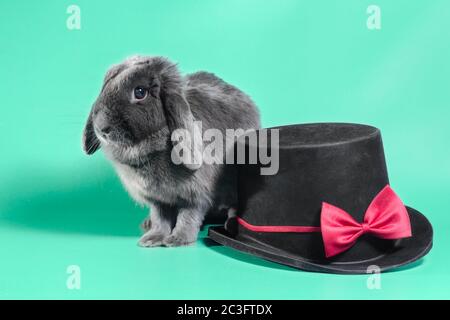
[338,163]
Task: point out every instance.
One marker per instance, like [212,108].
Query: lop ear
[90,141]
[186,133]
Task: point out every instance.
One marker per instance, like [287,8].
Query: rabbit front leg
[157,226]
[146,224]
[189,221]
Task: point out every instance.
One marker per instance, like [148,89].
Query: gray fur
[138,142]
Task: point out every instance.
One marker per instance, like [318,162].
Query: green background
[301,61]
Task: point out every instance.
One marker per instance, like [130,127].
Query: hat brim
[411,249]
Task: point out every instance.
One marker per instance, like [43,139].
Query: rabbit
[142,103]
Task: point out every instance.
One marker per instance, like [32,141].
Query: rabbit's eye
[140,93]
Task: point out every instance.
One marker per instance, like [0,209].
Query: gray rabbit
[143,101]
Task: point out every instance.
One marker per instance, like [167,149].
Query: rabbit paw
[151,239]
[177,240]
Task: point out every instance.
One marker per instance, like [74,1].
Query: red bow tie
[386,218]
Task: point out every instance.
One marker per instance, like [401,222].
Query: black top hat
[331,181]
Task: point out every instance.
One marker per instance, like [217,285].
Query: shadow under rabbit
[97,205]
